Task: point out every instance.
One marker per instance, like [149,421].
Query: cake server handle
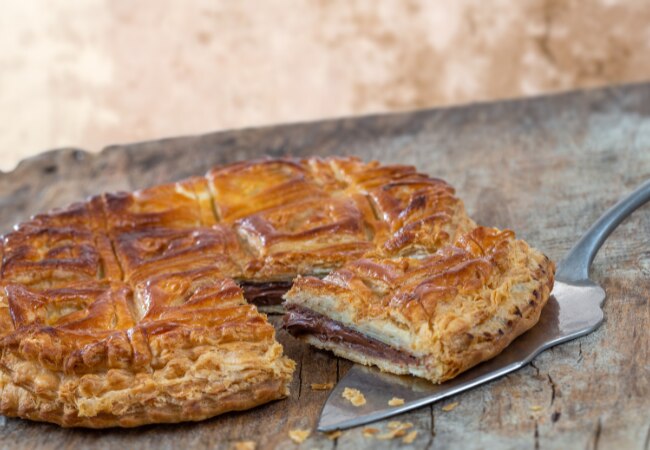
[575,266]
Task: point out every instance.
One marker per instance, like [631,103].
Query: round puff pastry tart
[136,308]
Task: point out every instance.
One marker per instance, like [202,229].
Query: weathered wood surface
[544,167]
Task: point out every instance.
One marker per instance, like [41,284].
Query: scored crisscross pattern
[125,309]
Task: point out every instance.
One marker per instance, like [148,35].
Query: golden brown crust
[66,244]
[311,216]
[122,310]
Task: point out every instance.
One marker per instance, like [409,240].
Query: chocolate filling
[265,294]
[300,321]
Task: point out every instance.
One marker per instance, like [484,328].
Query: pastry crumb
[409,438]
[333,435]
[298,435]
[396,429]
[355,396]
[449,407]
[368,431]
[321,386]
[536,408]
[397,424]
[244,445]
[395,401]
[392,434]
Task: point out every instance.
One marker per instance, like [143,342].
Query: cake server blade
[573,310]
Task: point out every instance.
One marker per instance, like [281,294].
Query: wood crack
[432,428]
[556,416]
[532,363]
[580,356]
[338,371]
[302,357]
[553,388]
[646,443]
[597,433]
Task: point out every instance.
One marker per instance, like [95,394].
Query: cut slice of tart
[432,317]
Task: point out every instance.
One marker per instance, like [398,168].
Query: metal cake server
[573,310]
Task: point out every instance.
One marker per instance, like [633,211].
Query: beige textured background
[95,72]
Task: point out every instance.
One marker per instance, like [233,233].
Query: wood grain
[545,167]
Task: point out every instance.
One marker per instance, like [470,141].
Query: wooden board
[544,167]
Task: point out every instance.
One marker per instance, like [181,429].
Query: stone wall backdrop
[98,72]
